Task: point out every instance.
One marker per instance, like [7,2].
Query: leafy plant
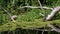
[31,15]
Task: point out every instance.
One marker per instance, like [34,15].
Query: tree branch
[40,4]
[37,7]
[53,13]
[12,17]
[44,7]
[54,28]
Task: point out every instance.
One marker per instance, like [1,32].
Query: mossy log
[26,25]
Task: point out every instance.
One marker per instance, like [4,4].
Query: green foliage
[27,18]
[3,18]
[57,16]
[30,16]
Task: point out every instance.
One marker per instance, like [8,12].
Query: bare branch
[44,7]
[40,4]
[12,17]
[42,14]
[54,28]
[37,7]
[53,13]
[46,30]
[6,11]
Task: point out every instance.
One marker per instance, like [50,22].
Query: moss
[26,25]
[8,26]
